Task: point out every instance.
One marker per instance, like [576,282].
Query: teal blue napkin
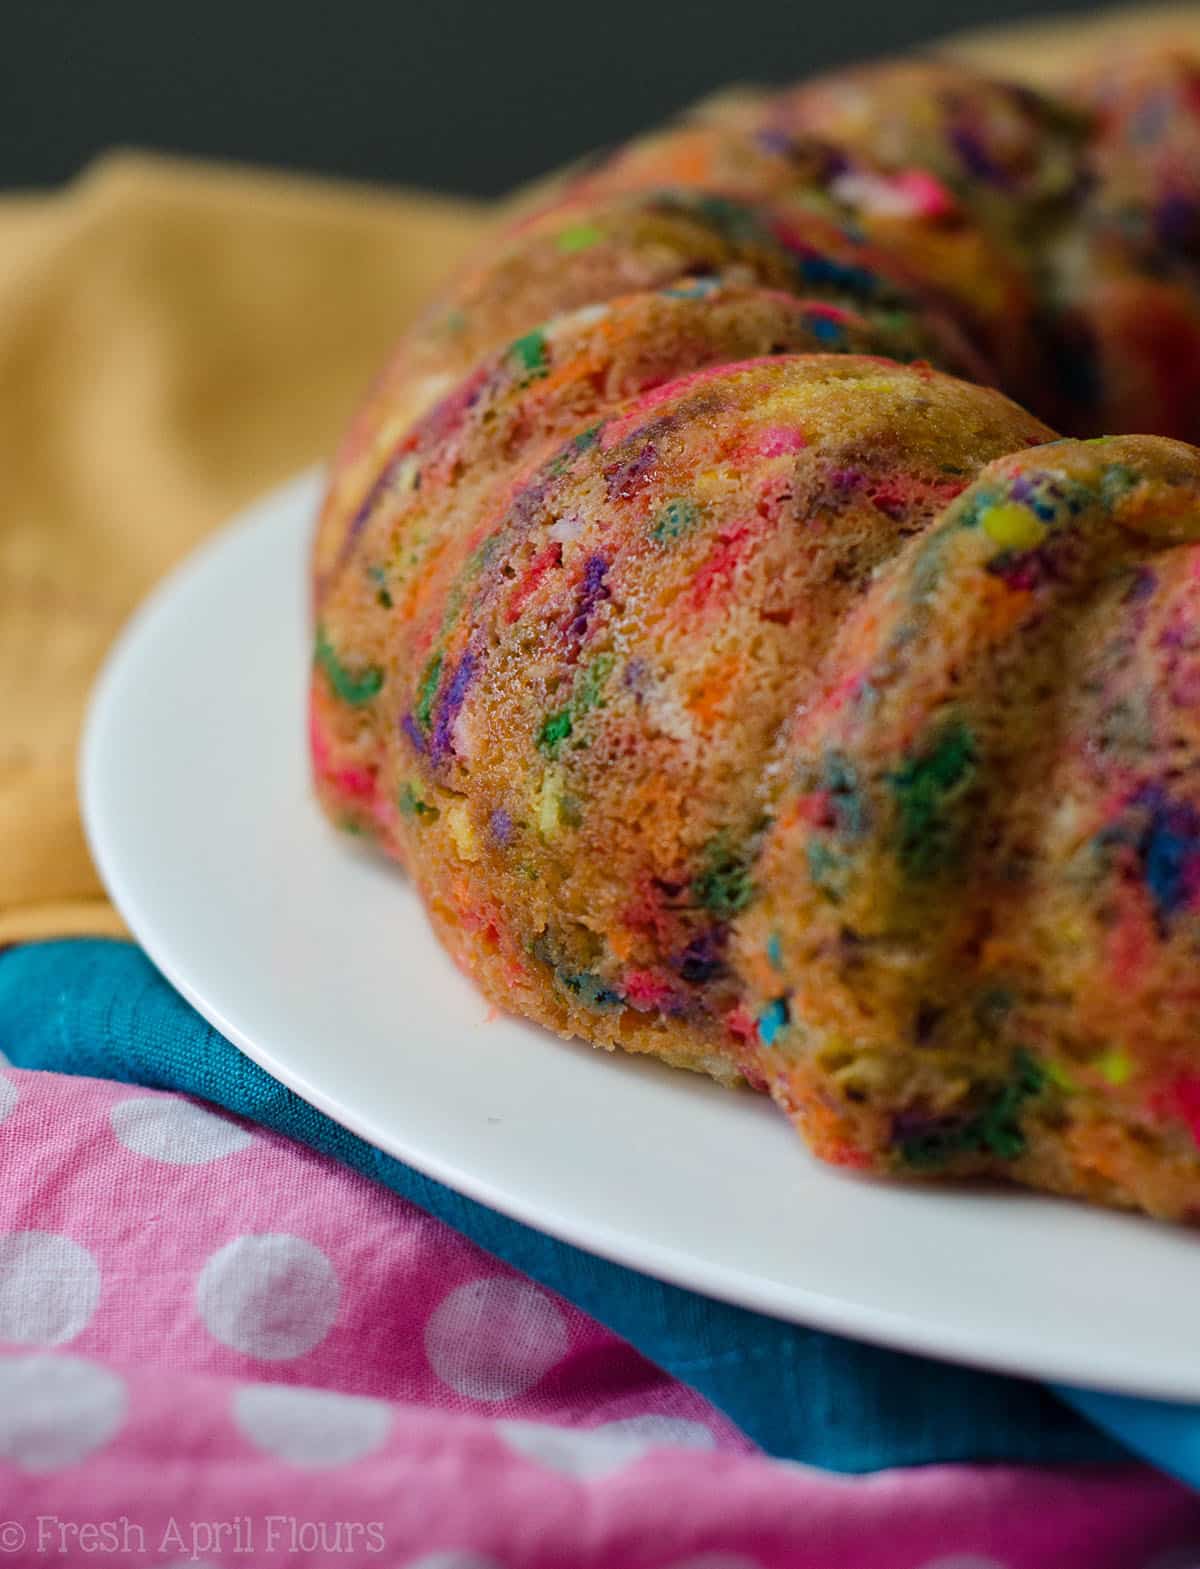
[100,1009]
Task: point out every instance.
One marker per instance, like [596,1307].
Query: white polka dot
[9,1096]
[175,1131]
[652,1430]
[49,1288]
[494,1338]
[455,1558]
[270,1296]
[596,1452]
[311,1427]
[56,1410]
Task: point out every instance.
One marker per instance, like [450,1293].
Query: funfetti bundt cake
[974,942]
[392,578]
[744,679]
[1123,278]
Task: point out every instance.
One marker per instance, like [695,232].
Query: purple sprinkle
[908,1125]
[1023,487]
[368,505]
[442,743]
[502,827]
[1175,222]
[637,673]
[412,730]
[703,959]
[591,592]
[846,479]
[1151,120]
[976,158]
[529,501]
[625,478]
[773,141]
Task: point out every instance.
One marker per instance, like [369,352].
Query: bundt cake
[745,679]
[974,941]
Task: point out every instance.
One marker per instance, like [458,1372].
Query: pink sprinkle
[816,808]
[1180,1098]
[824,312]
[355,782]
[739,1022]
[715,575]
[744,1033]
[776,440]
[645,990]
[929,197]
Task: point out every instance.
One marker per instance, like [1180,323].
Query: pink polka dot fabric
[218,1348]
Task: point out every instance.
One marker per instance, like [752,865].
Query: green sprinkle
[999,1124]
[1059,1077]
[738,224]
[481,556]
[592,990]
[840,779]
[587,438]
[775,951]
[923,788]
[975,507]
[411,805]
[427,691]
[826,870]
[675,519]
[378,576]
[556,728]
[1116,482]
[994,1130]
[578,237]
[591,684]
[589,987]
[532,353]
[724,885]
[353,689]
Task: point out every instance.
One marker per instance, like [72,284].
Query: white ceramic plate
[317,961]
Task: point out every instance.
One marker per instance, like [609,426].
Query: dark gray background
[463,96]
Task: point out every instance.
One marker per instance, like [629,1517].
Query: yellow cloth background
[174,340]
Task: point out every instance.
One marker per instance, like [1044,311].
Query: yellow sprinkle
[549,801]
[1013,526]
[1059,1076]
[462,831]
[1115,1066]
[708,482]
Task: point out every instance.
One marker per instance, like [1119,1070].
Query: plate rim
[808,1305]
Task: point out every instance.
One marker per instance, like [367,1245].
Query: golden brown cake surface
[741,687]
